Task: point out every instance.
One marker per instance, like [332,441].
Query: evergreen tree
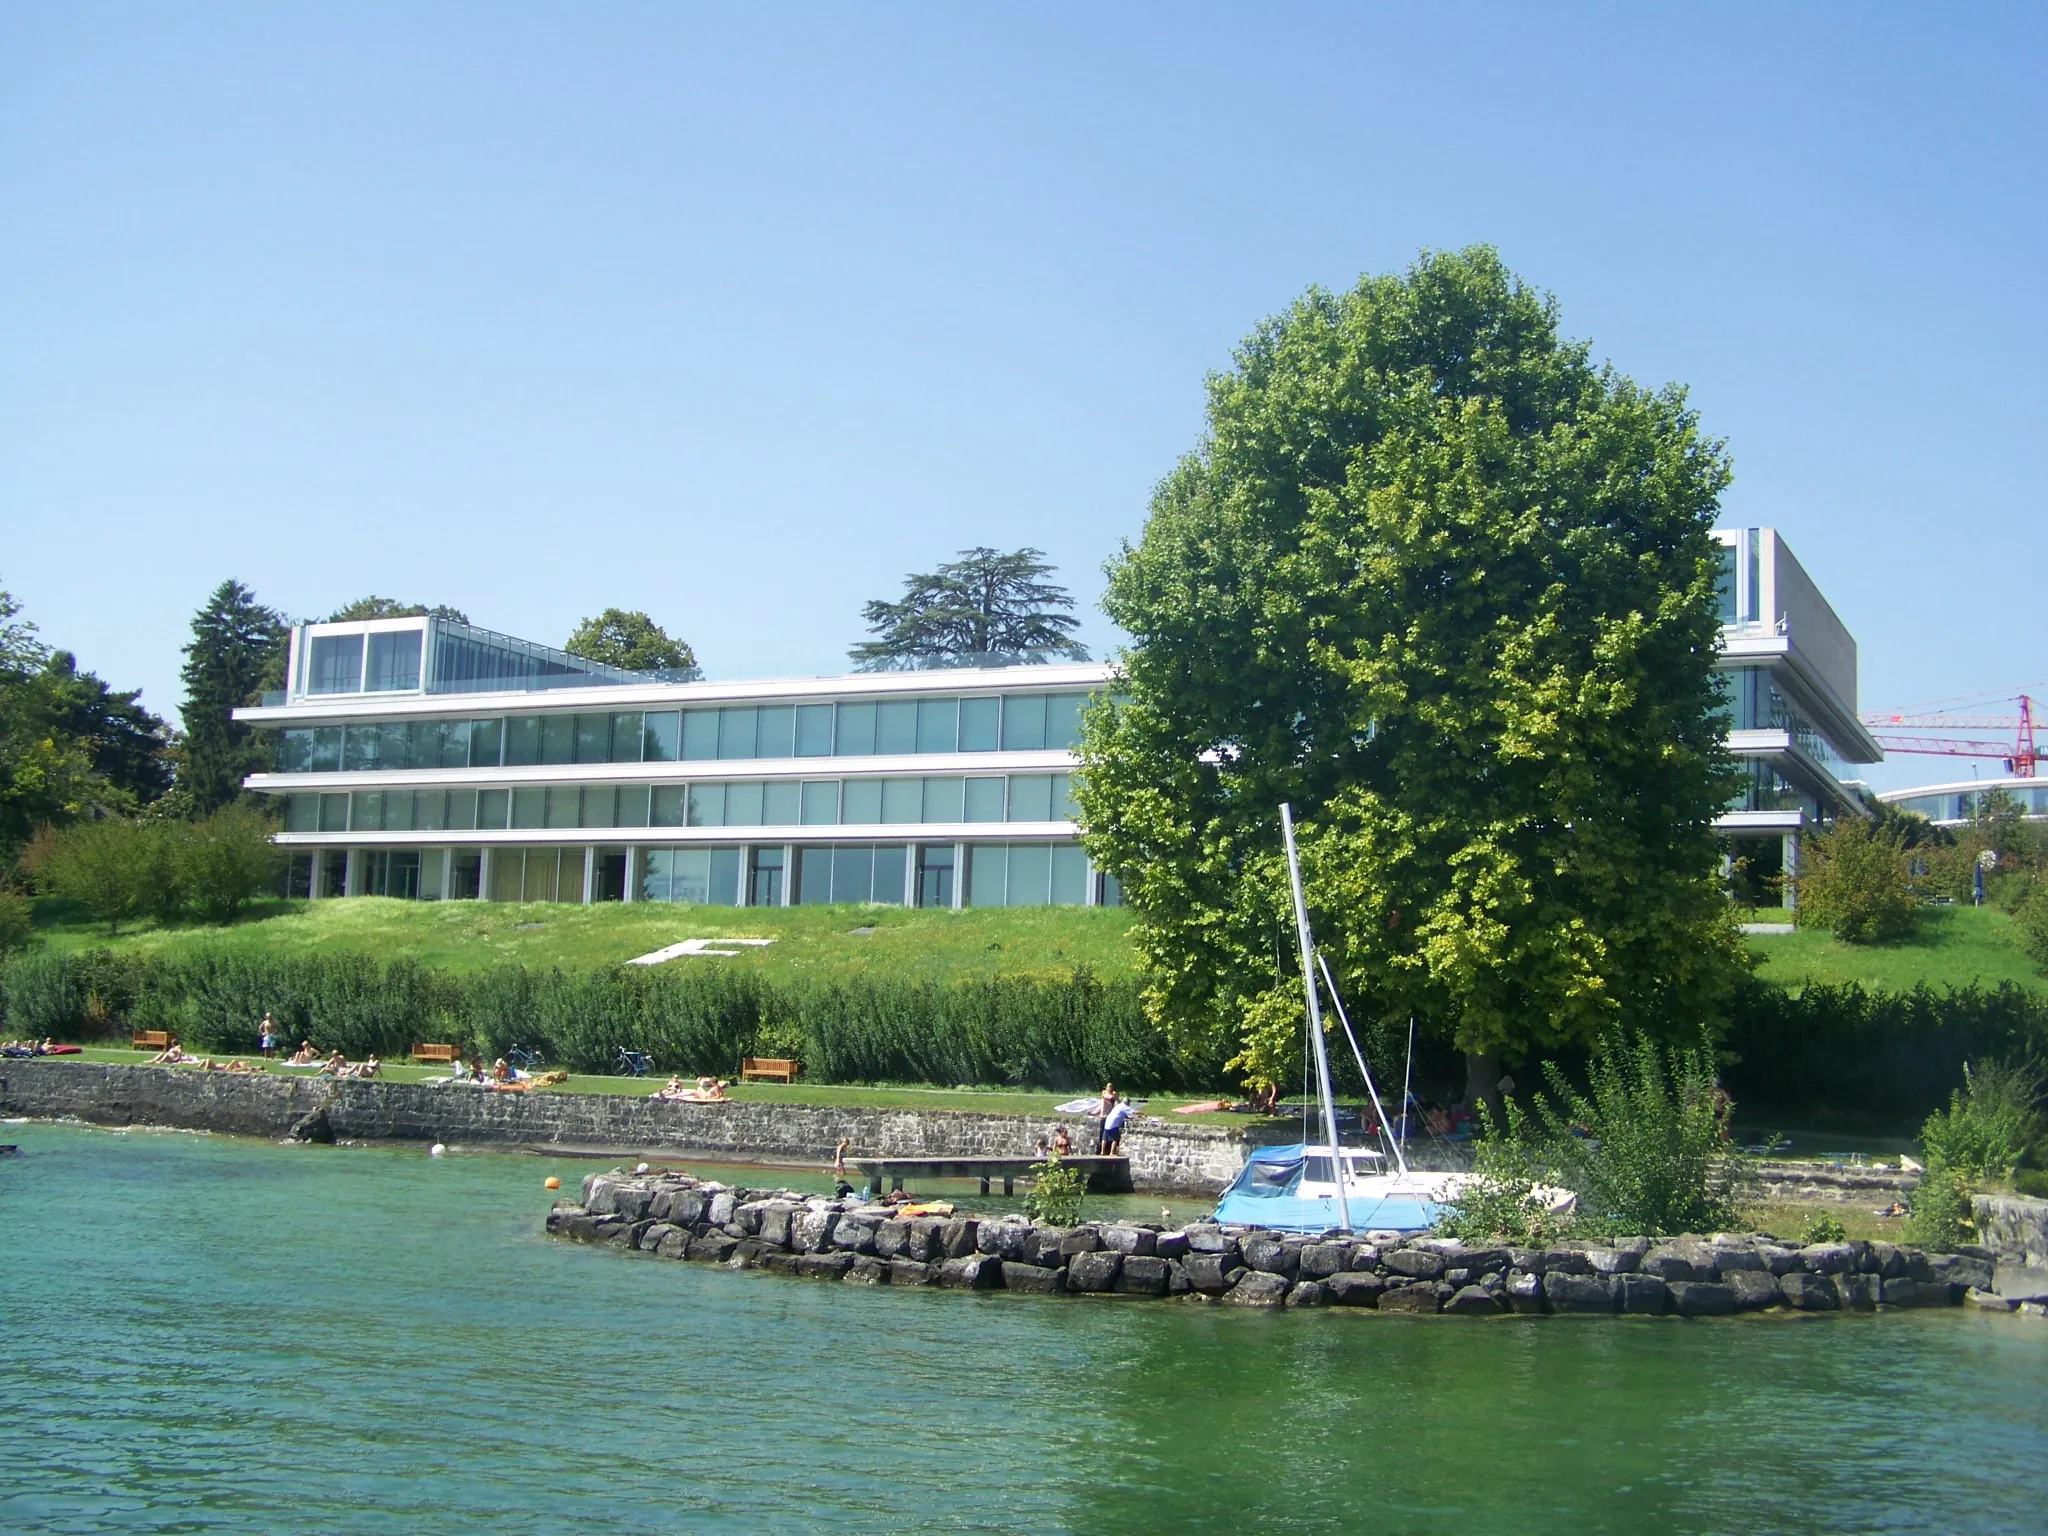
[46,772]
[125,743]
[985,604]
[238,648]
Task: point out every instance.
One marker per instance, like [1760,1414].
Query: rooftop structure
[1952,804]
[423,758]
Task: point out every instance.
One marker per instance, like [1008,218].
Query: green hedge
[1882,1059]
[1072,1031]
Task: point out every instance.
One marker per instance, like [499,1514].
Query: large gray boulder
[1701,1298]
[1473,1301]
[811,1231]
[1094,1271]
[1355,1289]
[867,1270]
[1613,1261]
[1309,1293]
[1129,1240]
[1271,1255]
[2019,1282]
[1207,1239]
[1258,1288]
[1171,1245]
[1414,1263]
[1810,1292]
[956,1239]
[1753,1288]
[1320,1260]
[977,1272]
[774,1229]
[823,1266]
[1143,1274]
[1523,1292]
[909,1272]
[1209,1272]
[1577,1293]
[1035,1278]
[1425,1296]
[1826,1259]
[1642,1295]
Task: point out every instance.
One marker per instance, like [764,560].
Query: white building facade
[421,758]
[427,759]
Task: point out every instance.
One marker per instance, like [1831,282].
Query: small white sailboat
[1304,1187]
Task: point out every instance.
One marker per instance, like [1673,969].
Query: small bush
[1938,1215]
[1055,1194]
[1853,881]
[1989,1122]
[17,922]
[1501,1199]
[1824,1229]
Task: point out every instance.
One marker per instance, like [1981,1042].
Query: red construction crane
[1911,730]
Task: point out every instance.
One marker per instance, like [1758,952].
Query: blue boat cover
[1266,1194]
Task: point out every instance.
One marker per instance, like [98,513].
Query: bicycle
[631,1063]
[525,1060]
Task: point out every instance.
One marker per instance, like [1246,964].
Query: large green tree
[1448,588]
[237,650]
[626,638]
[985,604]
[125,743]
[47,772]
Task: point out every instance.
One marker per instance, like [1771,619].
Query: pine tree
[237,649]
[985,604]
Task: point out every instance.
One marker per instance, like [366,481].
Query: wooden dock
[1103,1174]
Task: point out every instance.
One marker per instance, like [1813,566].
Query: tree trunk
[1482,1086]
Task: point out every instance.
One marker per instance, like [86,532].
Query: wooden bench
[150,1040]
[435,1053]
[779,1069]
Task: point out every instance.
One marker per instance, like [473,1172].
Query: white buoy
[641,1169]
[436,1150]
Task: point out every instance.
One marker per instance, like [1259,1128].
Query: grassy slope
[1955,946]
[464,936]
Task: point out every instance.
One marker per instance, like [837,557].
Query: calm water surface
[202,1334]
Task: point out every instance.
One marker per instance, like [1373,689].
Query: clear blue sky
[738,315]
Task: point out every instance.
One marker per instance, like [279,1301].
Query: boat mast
[1315,1013]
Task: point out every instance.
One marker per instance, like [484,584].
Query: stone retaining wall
[674,1216]
[1775,1179]
[1164,1157]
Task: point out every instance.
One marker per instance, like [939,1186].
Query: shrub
[1055,1193]
[1640,1146]
[108,867]
[223,861]
[1824,1229]
[1853,881]
[17,922]
[2030,916]
[1938,1215]
[1989,1123]
[1501,1199]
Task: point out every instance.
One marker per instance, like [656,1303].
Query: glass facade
[1755,703]
[1017,797]
[907,727]
[1026,875]
[1962,805]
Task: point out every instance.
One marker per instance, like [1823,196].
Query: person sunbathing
[371,1066]
[304,1056]
[170,1056]
[672,1089]
[335,1065]
[500,1072]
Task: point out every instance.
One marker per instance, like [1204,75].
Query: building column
[1789,871]
[959,875]
[632,872]
[589,875]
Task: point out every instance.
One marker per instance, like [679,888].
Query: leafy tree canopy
[1448,588]
[391,608]
[627,638]
[70,746]
[237,650]
[984,604]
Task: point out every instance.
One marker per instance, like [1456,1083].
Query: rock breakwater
[675,1216]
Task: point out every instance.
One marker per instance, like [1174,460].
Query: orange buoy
[552,1183]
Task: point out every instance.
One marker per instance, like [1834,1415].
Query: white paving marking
[693,947]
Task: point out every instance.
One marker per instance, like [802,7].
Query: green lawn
[468,935]
[1955,946]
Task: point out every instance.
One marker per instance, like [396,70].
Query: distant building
[1790,669]
[1951,804]
[427,759]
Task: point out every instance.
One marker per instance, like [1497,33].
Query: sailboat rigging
[1331,1187]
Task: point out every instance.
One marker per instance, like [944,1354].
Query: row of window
[1018,722]
[1962,805]
[744,803]
[1755,703]
[914,874]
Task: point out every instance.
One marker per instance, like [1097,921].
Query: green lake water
[205,1334]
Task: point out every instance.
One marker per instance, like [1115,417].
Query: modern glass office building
[1952,804]
[1789,668]
[427,759]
